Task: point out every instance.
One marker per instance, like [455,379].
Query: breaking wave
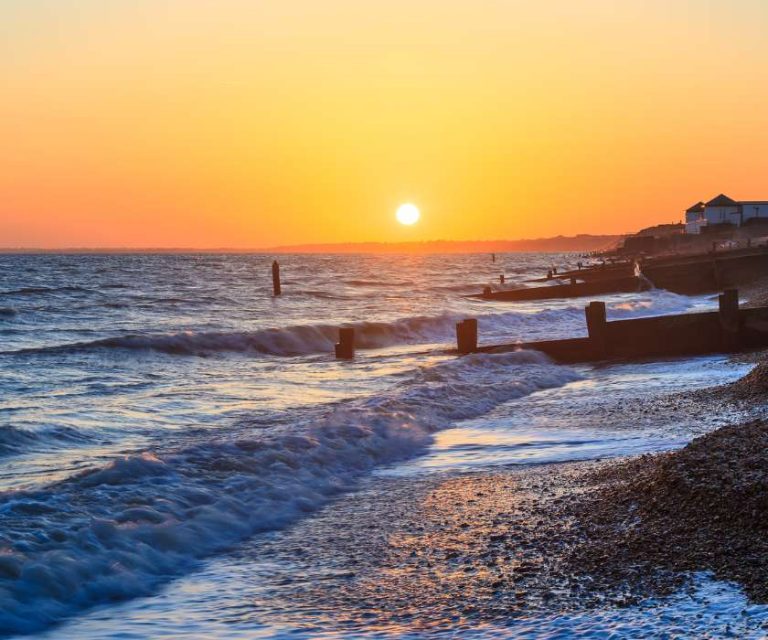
[654,302]
[123,530]
[287,341]
[438,329]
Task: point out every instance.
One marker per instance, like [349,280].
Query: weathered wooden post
[345,349]
[728,302]
[715,272]
[466,335]
[597,327]
[501,278]
[276,289]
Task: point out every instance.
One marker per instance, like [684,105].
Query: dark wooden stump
[597,327]
[276,288]
[730,324]
[345,349]
[466,335]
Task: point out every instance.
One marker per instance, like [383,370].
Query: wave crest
[311,339]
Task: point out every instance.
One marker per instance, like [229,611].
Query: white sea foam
[710,609]
[120,531]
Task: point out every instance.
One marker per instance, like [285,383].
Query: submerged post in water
[466,336]
[345,349]
[276,289]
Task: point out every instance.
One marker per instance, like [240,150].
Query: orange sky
[248,123]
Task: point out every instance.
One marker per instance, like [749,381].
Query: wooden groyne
[728,329]
[594,272]
[705,273]
[596,287]
[684,274]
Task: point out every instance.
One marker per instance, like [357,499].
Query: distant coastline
[582,242]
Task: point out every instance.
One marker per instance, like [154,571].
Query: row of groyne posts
[727,329]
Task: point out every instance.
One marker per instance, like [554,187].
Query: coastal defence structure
[685,274]
[728,329]
[575,289]
[704,273]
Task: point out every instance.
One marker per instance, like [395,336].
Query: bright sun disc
[407,214]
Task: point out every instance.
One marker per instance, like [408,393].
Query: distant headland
[581,243]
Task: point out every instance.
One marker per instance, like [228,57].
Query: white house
[694,216]
[723,210]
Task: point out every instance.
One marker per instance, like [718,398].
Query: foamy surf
[121,531]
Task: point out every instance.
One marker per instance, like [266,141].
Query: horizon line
[307,247]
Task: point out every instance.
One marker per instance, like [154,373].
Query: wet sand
[437,552]
[462,550]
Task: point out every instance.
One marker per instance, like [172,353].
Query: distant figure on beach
[549,274]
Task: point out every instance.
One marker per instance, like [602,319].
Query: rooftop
[722,201]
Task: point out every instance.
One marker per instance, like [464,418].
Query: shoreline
[461,549]
[490,553]
[462,554]
[475,554]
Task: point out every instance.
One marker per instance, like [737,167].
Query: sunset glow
[241,124]
[408,214]
[307,308]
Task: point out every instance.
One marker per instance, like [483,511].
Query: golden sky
[250,123]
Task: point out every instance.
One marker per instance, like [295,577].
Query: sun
[408,214]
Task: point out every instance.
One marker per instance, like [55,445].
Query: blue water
[159,411]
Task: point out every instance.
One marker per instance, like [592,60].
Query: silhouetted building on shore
[722,213]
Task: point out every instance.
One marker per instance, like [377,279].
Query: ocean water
[160,412]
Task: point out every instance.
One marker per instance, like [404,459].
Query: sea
[164,419]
